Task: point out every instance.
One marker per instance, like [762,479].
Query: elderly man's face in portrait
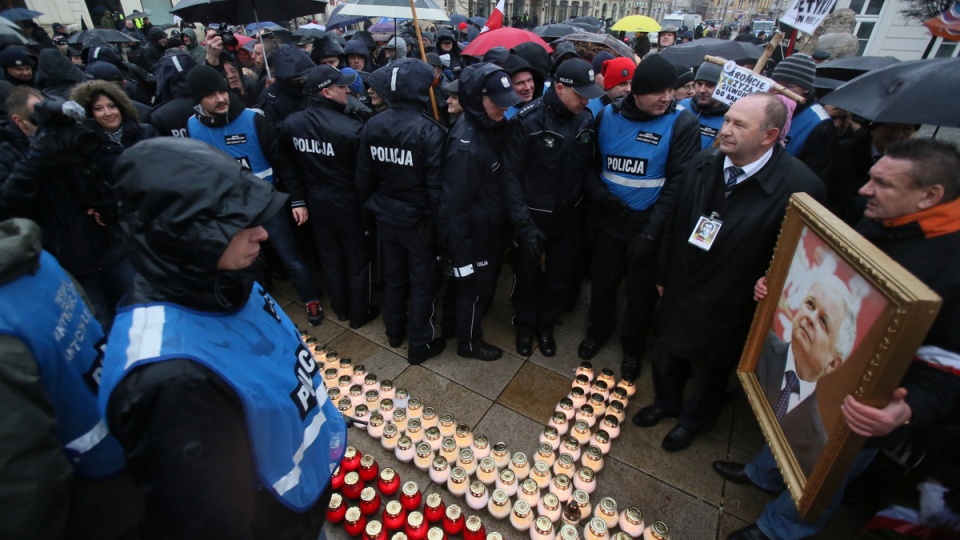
[816,327]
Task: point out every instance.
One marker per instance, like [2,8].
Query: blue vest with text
[634,156]
[297,435]
[802,126]
[709,125]
[239,139]
[45,312]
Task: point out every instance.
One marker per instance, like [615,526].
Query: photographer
[57,184]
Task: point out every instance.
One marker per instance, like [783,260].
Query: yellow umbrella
[636,23]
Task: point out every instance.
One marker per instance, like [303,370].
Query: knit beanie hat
[709,72]
[599,59]
[798,69]
[617,71]
[654,74]
[684,75]
[205,80]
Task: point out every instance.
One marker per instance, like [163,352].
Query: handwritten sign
[736,82]
[806,15]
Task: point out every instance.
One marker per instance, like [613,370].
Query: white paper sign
[737,81]
[806,15]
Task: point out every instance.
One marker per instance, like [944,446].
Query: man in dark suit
[822,336]
[706,309]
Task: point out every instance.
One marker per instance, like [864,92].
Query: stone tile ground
[511,399]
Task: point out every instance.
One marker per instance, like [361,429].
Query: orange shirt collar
[937,220]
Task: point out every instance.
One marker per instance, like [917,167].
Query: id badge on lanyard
[705,231]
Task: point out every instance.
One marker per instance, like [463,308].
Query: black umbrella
[19,14]
[138,15]
[245,11]
[582,26]
[844,69]
[593,21]
[108,35]
[615,46]
[691,54]
[553,31]
[309,32]
[478,21]
[916,92]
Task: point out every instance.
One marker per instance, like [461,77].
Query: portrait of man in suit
[822,336]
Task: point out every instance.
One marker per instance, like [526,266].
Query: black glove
[531,243]
[642,248]
[614,207]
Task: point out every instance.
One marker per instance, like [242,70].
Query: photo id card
[705,232]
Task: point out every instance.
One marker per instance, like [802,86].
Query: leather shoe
[650,415]
[422,353]
[736,473]
[679,438]
[630,368]
[750,532]
[482,351]
[524,343]
[395,341]
[548,345]
[588,349]
[372,313]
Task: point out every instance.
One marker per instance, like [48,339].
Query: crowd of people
[142,181]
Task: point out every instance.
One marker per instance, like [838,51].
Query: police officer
[322,140]
[549,154]
[709,112]
[472,206]
[644,139]
[206,382]
[667,36]
[62,473]
[399,164]
[171,115]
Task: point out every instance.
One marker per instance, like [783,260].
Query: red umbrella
[503,37]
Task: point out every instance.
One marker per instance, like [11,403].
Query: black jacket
[56,74]
[400,158]
[322,140]
[153,51]
[456,63]
[707,303]
[850,171]
[286,95]
[548,157]
[357,46]
[181,425]
[285,177]
[821,146]
[472,215]
[684,145]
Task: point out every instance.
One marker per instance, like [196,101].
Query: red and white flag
[496,18]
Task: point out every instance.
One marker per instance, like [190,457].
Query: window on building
[866,7]
[947,49]
[863,33]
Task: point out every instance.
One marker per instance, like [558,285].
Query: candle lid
[620,393]
[414,404]
[581,497]
[367,461]
[399,415]
[541,468]
[487,464]
[390,430]
[607,372]
[424,450]
[402,393]
[435,533]
[400,535]
[565,459]
[474,524]
[480,442]
[311,341]
[576,392]
[447,419]
[386,404]
[587,410]
[415,519]
[371,395]
[344,380]
[582,379]
[432,433]
[566,403]
[586,474]
[368,494]
[332,355]
[353,514]
[477,489]
[404,442]
[594,453]
[350,452]
[351,478]
[521,508]
[448,444]
[602,436]
[597,399]
[544,449]
[598,525]
[600,385]
[660,530]
[529,486]
[466,455]
[356,390]
[345,362]
[500,497]
[410,489]
[568,532]
[608,505]
[320,348]
[562,481]
[570,443]
[543,525]
[361,410]
[439,463]
[333,393]
[558,418]
[344,405]
[434,500]
[494,536]
[622,536]
[414,425]
[615,406]
[610,421]
[336,501]
[519,459]
[634,515]
[454,512]
[587,366]
[463,430]
[373,528]
[551,432]
[458,475]
[551,501]
[429,412]
[500,448]
[394,508]
[507,476]
[387,474]
[359,369]
[370,379]
[386,384]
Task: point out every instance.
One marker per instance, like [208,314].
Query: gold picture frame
[824,275]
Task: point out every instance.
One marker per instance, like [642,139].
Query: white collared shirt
[806,388]
[749,169]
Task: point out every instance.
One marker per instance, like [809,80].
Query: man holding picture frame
[913,215]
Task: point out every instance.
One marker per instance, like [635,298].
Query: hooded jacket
[327,46]
[516,64]
[153,50]
[400,156]
[536,56]
[56,74]
[399,46]
[175,107]
[290,66]
[357,46]
[179,229]
[195,50]
[456,63]
[471,210]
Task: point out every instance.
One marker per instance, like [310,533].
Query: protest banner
[736,82]
[806,15]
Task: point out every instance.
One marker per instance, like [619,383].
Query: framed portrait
[840,318]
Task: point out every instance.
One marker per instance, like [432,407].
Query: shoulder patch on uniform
[821,113]
[529,108]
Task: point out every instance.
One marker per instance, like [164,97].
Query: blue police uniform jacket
[45,312]
[802,126]
[239,139]
[634,156]
[709,125]
[297,434]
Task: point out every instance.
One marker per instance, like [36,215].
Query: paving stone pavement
[511,399]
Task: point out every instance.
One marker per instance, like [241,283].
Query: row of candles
[452,454]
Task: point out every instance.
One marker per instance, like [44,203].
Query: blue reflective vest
[45,312]
[297,434]
[239,139]
[634,156]
[709,125]
[803,125]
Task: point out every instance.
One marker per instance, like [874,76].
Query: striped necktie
[733,172]
[792,386]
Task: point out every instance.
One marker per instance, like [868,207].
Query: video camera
[229,40]
[62,122]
